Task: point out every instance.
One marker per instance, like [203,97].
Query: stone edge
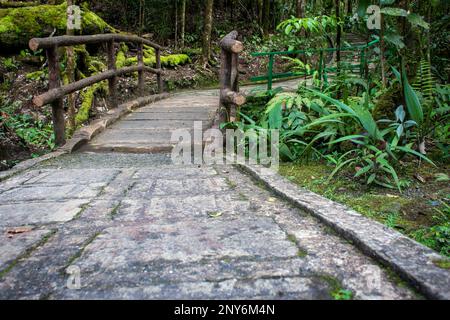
[412,261]
[86,134]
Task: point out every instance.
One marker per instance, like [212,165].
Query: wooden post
[270,73]
[58,104]
[230,98]
[141,80]
[158,66]
[112,82]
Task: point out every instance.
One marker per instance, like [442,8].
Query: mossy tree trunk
[70,70]
[208,18]
[300,8]
[183,22]
[260,11]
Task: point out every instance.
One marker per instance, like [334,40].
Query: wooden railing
[56,92]
[230,98]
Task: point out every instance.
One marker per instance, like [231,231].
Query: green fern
[424,82]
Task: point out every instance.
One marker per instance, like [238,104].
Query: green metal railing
[322,69]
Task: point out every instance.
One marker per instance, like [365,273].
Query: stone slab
[39,213]
[413,261]
[197,116]
[13,246]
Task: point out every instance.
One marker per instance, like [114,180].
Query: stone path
[135,226]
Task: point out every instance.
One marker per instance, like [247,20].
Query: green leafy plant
[10,64]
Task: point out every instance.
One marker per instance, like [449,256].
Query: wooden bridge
[118,220]
[148,129]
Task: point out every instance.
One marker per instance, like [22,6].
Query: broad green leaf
[397,74]
[418,154]
[396,12]
[371,178]
[337,103]
[339,167]
[353,137]
[395,39]
[417,20]
[412,100]
[363,171]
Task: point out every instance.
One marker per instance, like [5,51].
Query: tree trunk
[266,18]
[300,9]
[338,33]
[382,56]
[207,28]
[183,22]
[176,24]
[349,8]
[260,12]
[70,73]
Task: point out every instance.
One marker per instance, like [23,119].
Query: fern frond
[425,83]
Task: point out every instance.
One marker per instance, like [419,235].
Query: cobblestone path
[134,226]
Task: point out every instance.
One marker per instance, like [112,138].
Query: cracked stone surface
[138,227]
[133,225]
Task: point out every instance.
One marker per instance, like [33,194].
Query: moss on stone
[172,60]
[18,26]
[412,215]
[40,74]
[337,292]
[121,59]
[443,264]
[88,98]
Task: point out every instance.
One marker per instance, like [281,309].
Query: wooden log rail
[230,98]
[55,94]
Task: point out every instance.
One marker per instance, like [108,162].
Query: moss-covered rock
[88,96]
[18,26]
[172,60]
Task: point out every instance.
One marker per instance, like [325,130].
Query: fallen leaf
[420,178]
[272,199]
[215,214]
[19,230]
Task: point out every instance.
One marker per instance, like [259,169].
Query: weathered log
[231,97]
[58,102]
[18,4]
[64,41]
[230,44]
[59,92]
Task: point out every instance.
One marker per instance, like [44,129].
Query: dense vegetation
[372,118]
